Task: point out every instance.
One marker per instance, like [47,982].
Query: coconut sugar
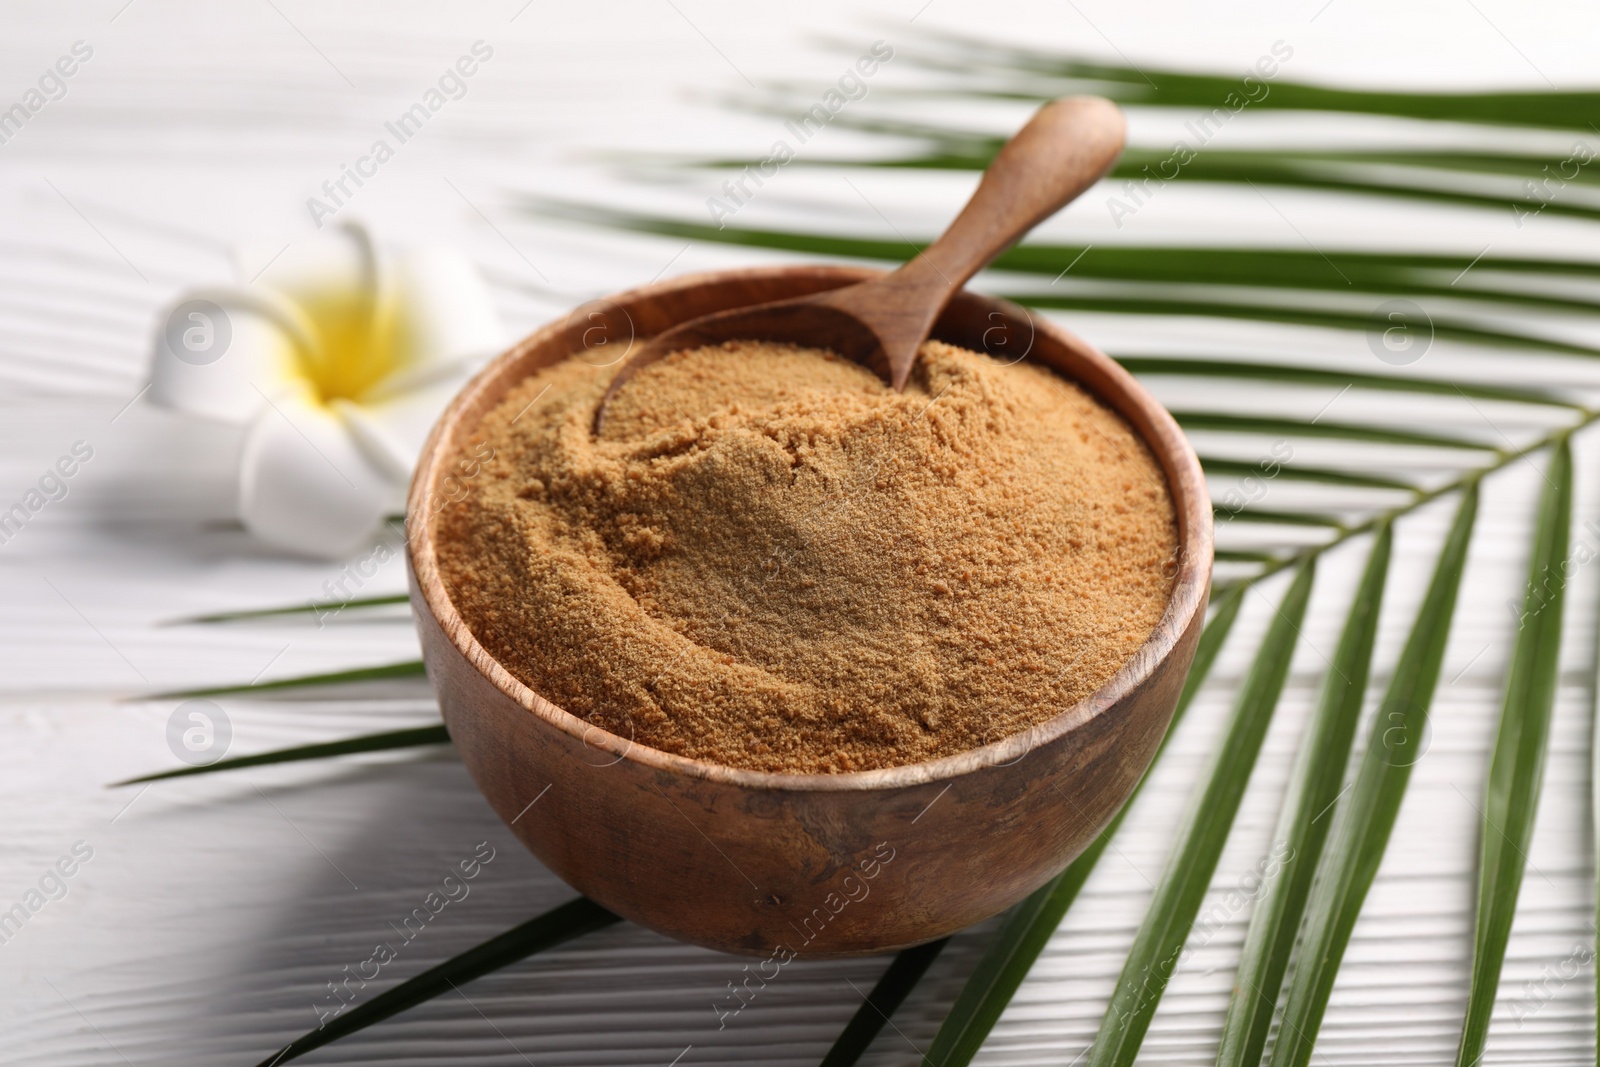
[770,560]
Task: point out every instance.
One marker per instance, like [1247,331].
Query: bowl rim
[1185,482]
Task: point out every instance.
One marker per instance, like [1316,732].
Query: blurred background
[213,912]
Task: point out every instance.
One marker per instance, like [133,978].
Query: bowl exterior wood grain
[777,865]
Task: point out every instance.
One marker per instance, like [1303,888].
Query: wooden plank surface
[213,913]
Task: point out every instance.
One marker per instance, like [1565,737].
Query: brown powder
[772,561]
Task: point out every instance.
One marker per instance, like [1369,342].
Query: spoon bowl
[1067,146]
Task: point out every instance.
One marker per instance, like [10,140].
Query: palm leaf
[1259,371]
[1505,304]
[969,148]
[572,919]
[1297,845]
[1241,555]
[1278,426]
[1493,181]
[1160,940]
[1007,960]
[314,607]
[1153,86]
[383,742]
[1361,830]
[1294,268]
[1517,768]
[385,672]
[1357,319]
[1312,287]
[1323,475]
[966,148]
[1144,268]
[897,982]
[1274,517]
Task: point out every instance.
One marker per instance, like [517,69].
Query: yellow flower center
[355,341]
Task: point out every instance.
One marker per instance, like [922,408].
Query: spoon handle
[1067,146]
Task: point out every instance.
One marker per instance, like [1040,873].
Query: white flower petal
[218,353]
[338,259]
[400,424]
[306,485]
[444,318]
[377,442]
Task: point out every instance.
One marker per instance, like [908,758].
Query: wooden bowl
[784,865]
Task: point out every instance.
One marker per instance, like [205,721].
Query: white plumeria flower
[334,366]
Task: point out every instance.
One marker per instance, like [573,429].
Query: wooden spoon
[1065,148]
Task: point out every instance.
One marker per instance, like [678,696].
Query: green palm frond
[1261,371]
[1028,926]
[975,68]
[1159,945]
[383,742]
[411,668]
[1519,750]
[1361,830]
[309,607]
[891,990]
[1314,791]
[1492,180]
[572,919]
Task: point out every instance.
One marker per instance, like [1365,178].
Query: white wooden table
[213,912]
